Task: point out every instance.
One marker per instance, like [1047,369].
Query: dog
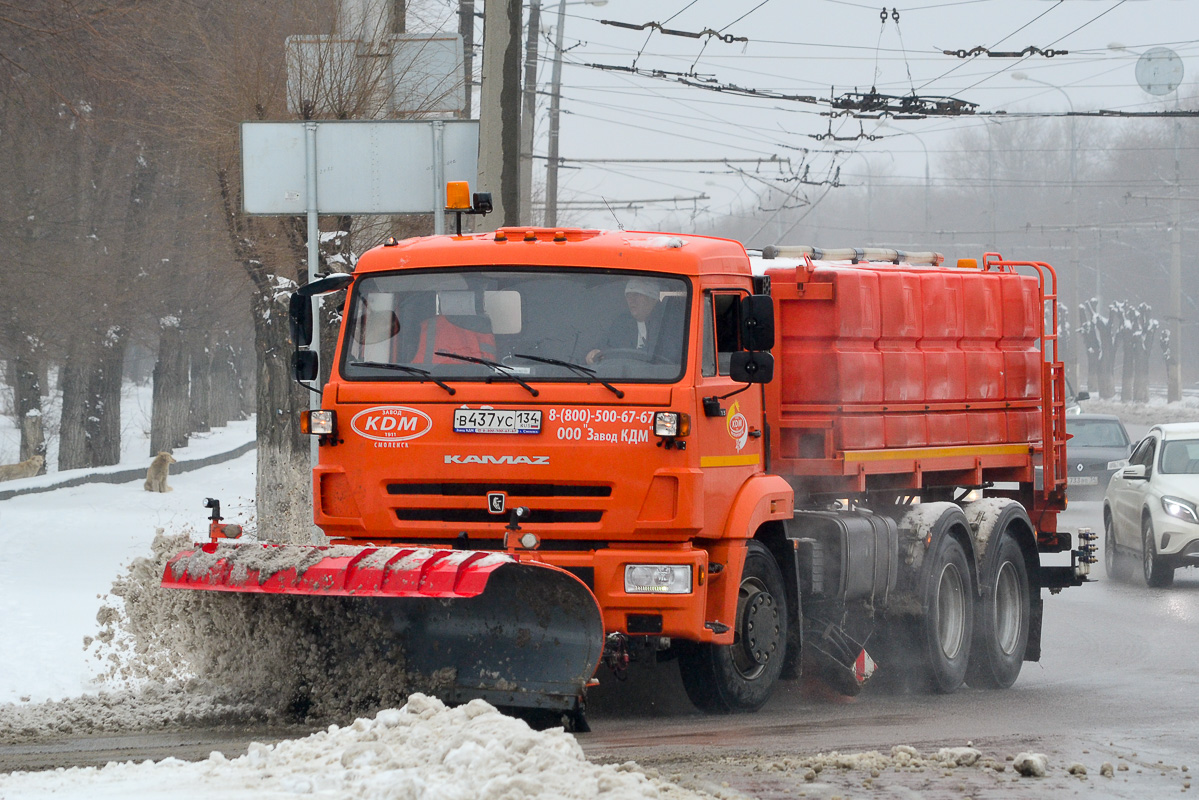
[25,469]
[156,475]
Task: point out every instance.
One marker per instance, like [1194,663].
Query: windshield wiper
[577,369]
[496,367]
[424,373]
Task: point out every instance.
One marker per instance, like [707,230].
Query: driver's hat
[643,286]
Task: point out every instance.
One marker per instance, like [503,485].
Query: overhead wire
[960,64]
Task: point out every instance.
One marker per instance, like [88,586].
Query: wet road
[1117,681]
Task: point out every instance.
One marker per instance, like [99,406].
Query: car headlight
[1121,464]
[671,423]
[1182,509]
[657,578]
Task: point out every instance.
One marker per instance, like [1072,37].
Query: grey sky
[814,47]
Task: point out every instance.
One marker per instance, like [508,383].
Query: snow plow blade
[515,633]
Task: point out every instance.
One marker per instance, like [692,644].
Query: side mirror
[1135,472]
[757,322]
[300,306]
[1083,395]
[305,364]
[751,367]
[300,319]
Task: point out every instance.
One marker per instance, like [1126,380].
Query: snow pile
[1031,765]
[152,707]
[901,758]
[423,750]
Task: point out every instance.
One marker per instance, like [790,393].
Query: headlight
[1181,509]
[671,423]
[1121,464]
[657,579]
[318,423]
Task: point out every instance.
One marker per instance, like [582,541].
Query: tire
[947,626]
[1001,624]
[739,677]
[1158,573]
[1114,562]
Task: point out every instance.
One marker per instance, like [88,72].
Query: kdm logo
[391,423]
[738,426]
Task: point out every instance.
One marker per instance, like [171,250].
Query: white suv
[1151,507]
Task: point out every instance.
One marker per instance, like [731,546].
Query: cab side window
[727,311]
[708,367]
[722,331]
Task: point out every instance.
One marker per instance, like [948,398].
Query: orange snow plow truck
[543,451]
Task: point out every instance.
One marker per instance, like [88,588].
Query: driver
[639,329]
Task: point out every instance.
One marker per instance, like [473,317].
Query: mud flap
[477,624]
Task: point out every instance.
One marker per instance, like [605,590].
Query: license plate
[486,420]
[1083,480]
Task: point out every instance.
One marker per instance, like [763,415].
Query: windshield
[1180,457]
[487,324]
[1096,433]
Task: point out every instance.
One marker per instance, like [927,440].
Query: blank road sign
[362,166]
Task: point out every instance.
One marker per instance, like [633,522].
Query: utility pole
[466,27]
[1174,373]
[499,111]
[529,114]
[551,166]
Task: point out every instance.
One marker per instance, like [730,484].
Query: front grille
[482,515]
[511,489]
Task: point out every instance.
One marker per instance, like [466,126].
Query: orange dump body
[900,378]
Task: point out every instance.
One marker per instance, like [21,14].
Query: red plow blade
[334,570]
[515,633]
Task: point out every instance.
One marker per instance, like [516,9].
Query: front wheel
[1114,562]
[1001,637]
[947,626]
[1158,573]
[722,679]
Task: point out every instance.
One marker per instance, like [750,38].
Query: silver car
[1151,508]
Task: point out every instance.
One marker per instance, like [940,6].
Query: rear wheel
[1001,635]
[947,626]
[722,679]
[1158,573]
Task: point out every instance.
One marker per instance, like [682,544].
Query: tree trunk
[28,400]
[170,411]
[284,495]
[223,397]
[72,428]
[201,385]
[1128,348]
[104,399]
